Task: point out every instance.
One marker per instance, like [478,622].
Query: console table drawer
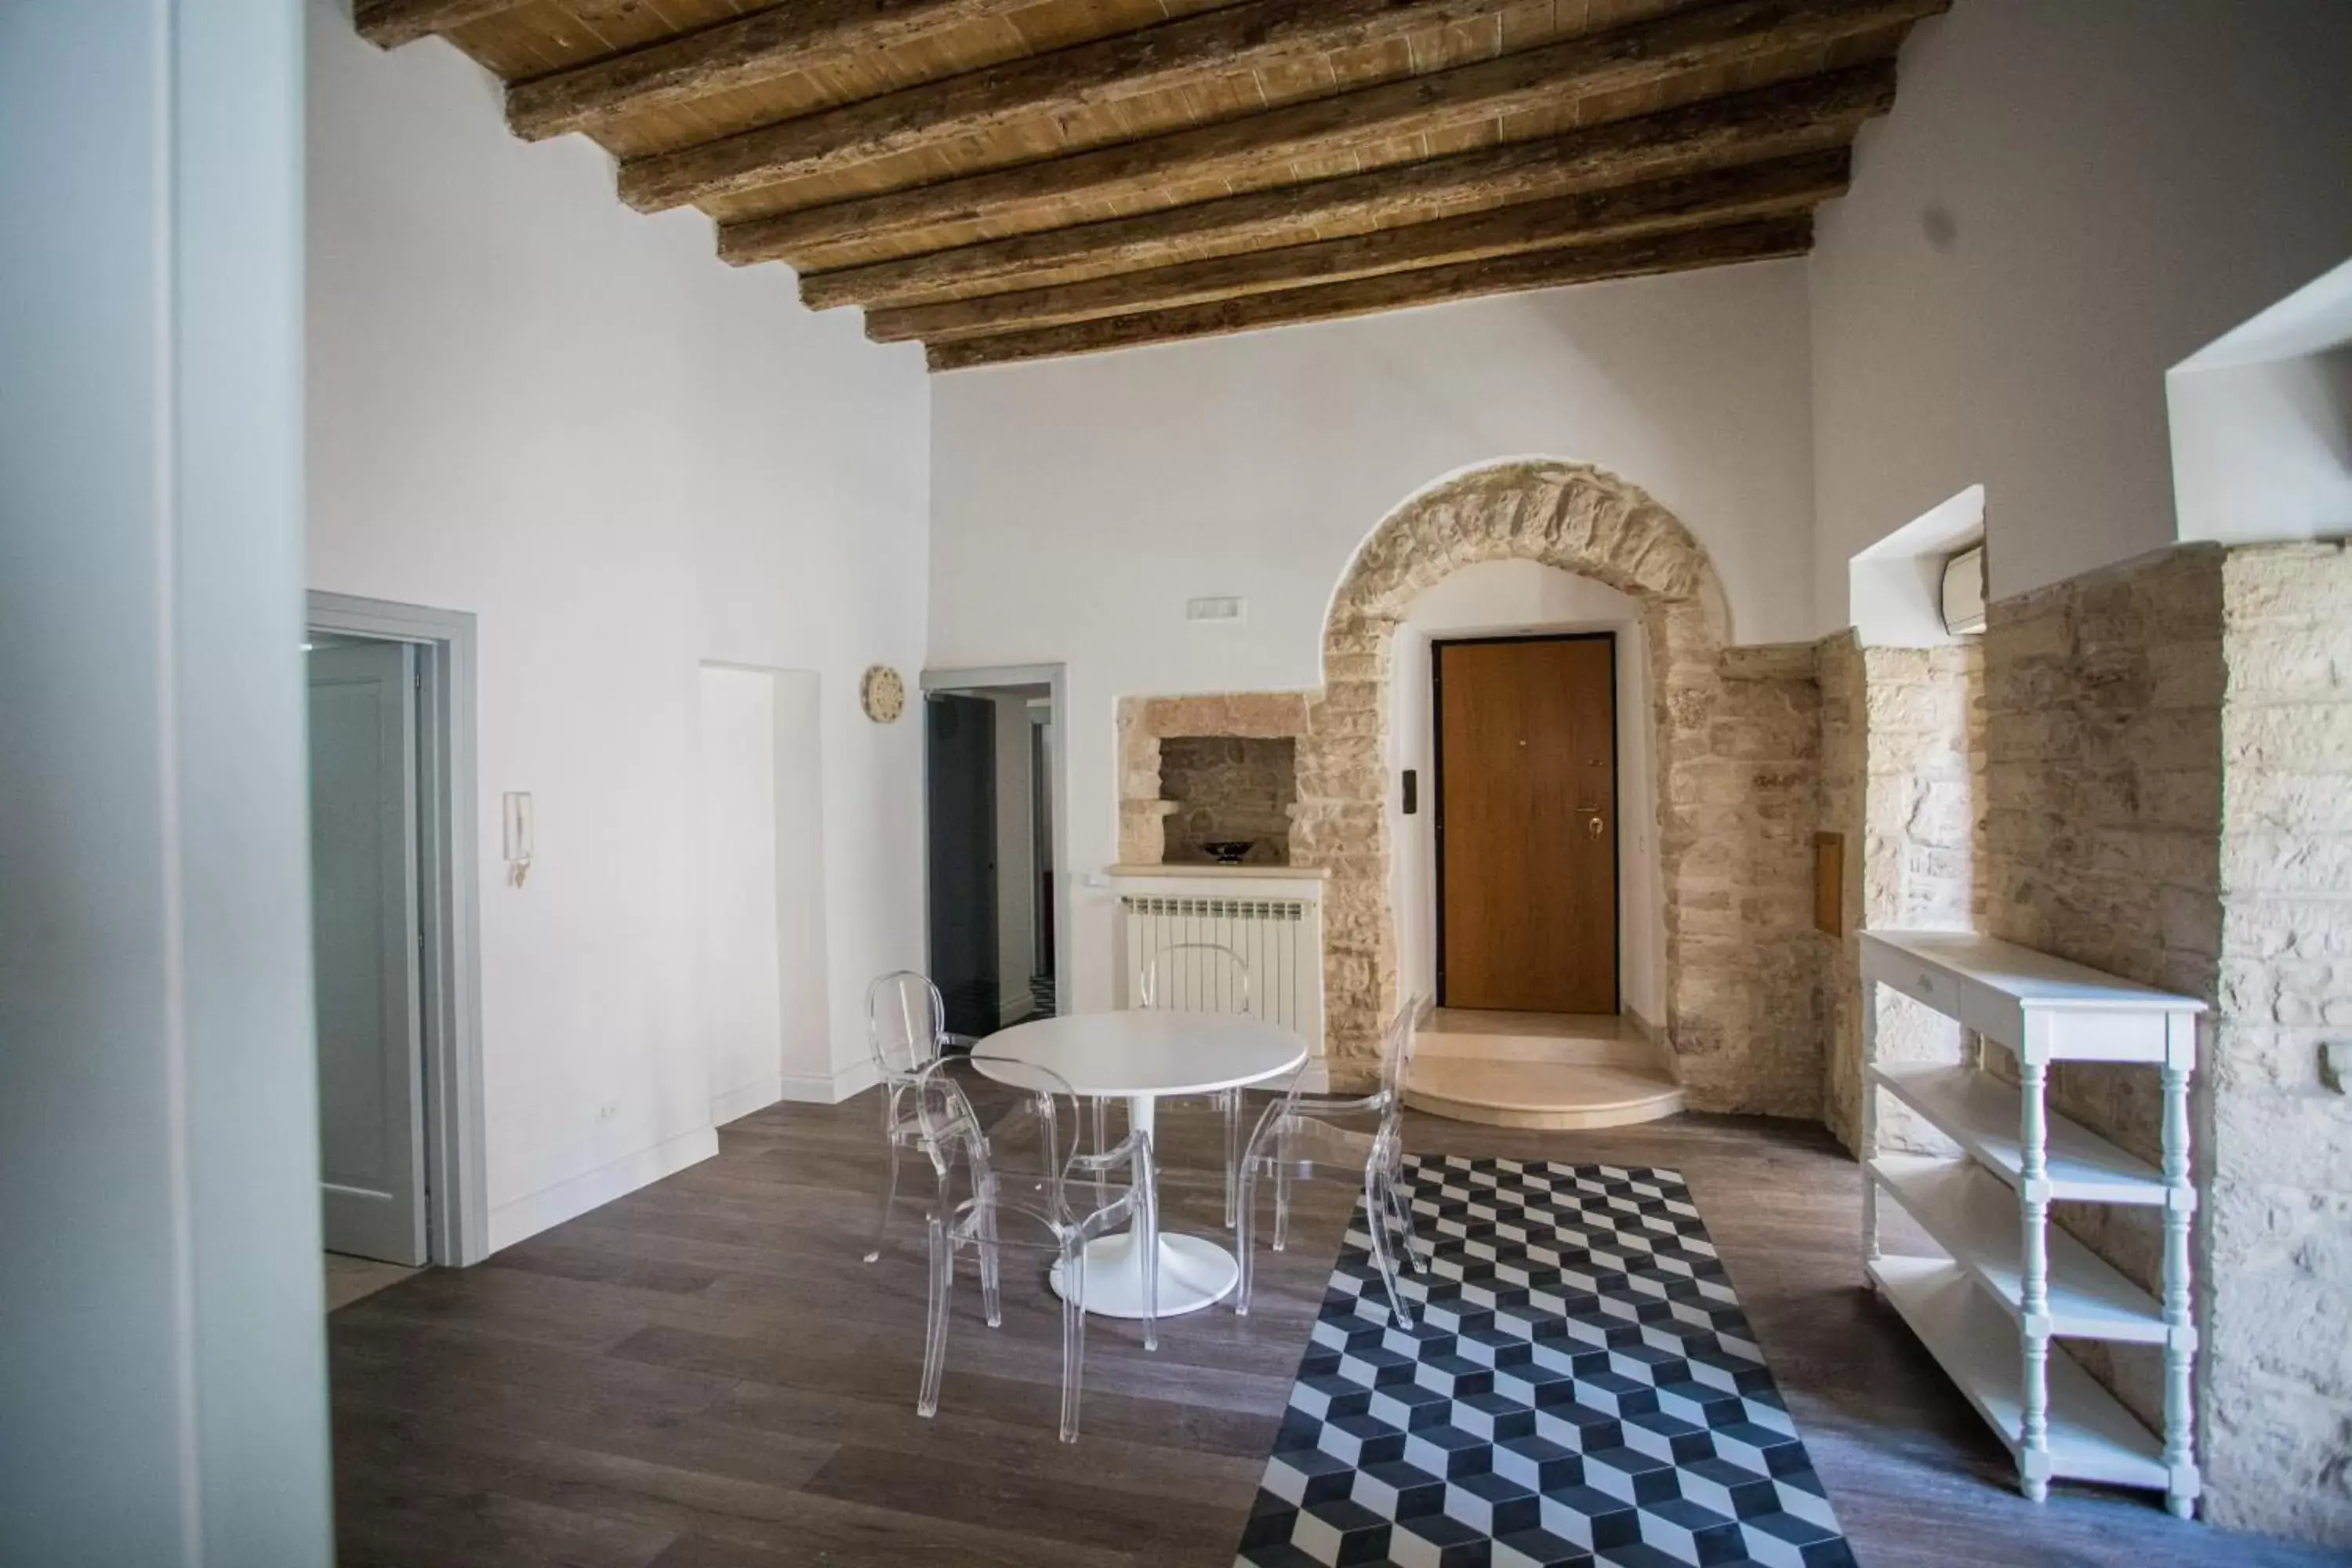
[1938,988]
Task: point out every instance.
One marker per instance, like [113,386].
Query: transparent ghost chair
[1201,977]
[1031,1196]
[1301,1131]
[906,1023]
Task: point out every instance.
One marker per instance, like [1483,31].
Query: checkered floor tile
[1580,1388]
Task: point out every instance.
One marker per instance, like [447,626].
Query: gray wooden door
[363,937]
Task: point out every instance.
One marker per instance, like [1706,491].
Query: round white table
[1139,1057]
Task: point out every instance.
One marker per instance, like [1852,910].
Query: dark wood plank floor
[704,1375]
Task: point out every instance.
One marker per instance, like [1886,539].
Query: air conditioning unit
[1964,592]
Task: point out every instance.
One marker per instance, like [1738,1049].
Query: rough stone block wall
[1902,767]
[1230,788]
[2170,748]
[2103,833]
[1743,970]
[2279,1194]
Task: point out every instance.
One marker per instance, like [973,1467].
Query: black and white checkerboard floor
[1580,1388]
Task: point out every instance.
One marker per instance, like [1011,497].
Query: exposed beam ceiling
[1171,57]
[1366,296]
[1238,150]
[1788,187]
[1803,116]
[1009,179]
[760,48]
[391,23]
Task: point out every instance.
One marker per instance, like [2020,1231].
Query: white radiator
[1278,937]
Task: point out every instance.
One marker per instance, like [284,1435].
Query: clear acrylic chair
[1201,977]
[906,1025]
[1033,1196]
[1302,1131]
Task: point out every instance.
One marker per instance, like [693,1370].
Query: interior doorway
[1525,733]
[394,917]
[993,861]
[367,946]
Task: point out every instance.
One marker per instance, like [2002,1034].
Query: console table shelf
[2092,1437]
[2005,1284]
[1982,1115]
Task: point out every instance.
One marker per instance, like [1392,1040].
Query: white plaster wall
[738,977]
[1124,484]
[1499,598]
[162,1395]
[625,457]
[2263,451]
[812,1052]
[2067,200]
[759,939]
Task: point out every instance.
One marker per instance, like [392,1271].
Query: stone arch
[1739,1024]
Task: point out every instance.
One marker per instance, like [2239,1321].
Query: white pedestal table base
[1194,1272]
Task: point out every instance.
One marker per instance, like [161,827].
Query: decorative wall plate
[883,694]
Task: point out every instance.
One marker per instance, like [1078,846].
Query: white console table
[2006,1283]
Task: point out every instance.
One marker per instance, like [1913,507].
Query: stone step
[1538,1069]
[1503,1093]
[1589,1040]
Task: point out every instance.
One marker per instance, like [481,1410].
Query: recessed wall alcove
[1228,789]
[1195,769]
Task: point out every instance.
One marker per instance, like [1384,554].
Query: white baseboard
[757,1095]
[826,1088]
[551,1206]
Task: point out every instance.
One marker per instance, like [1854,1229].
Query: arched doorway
[1737,741]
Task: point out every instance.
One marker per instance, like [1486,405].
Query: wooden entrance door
[1526,823]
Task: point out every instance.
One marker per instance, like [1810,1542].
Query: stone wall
[1228,788]
[1903,780]
[2102,734]
[1744,980]
[2170,784]
[2279,1199]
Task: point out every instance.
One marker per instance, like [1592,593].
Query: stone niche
[1228,788]
[1192,769]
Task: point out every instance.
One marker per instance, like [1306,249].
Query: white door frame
[1056,679]
[456,1188]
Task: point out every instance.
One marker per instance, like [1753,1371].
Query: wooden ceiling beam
[808,35]
[1715,199]
[1797,117]
[1253,149]
[1395,291]
[1189,52]
[388,23]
